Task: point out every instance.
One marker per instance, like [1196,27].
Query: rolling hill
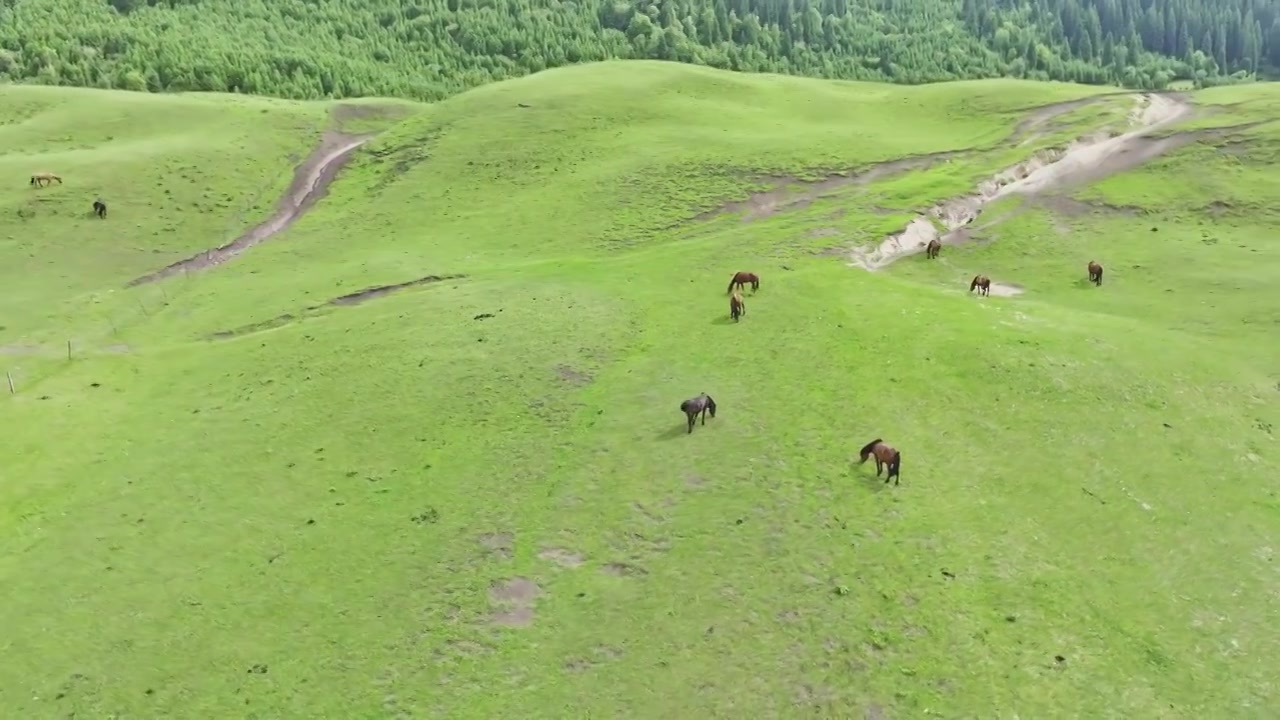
[418,454]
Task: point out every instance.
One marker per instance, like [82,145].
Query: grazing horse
[737,307]
[700,404]
[884,455]
[743,278]
[1095,273]
[934,247]
[41,179]
[100,209]
[982,283]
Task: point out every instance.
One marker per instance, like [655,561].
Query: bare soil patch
[513,601]
[1037,122]
[1067,206]
[311,181]
[1005,289]
[1089,159]
[618,569]
[562,557]
[378,291]
[348,113]
[354,298]
[498,545]
[571,376]
[791,193]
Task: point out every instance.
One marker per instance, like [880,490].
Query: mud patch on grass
[1075,207]
[1036,123]
[791,193]
[599,655]
[499,545]
[373,293]
[311,182]
[813,695]
[513,601]
[562,557]
[571,376]
[618,569]
[347,115]
[354,298]
[1005,289]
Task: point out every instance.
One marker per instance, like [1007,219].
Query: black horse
[100,209]
[701,404]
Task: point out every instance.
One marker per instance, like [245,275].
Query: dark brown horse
[41,179]
[737,308]
[701,404]
[884,455]
[982,283]
[1095,273]
[100,208]
[931,251]
[742,278]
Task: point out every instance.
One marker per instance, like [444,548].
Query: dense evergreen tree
[428,49]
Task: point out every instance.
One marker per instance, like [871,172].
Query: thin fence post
[10,378]
[68,349]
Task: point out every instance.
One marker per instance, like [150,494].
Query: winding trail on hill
[311,180]
[1086,160]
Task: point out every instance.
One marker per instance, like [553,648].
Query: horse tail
[897,463]
[1099,274]
[866,449]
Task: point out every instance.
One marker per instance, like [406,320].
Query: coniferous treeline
[428,49]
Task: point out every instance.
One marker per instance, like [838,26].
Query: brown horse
[885,455]
[982,283]
[934,247]
[701,404]
[737,307]
[100,208]
[742,278]
[1095,273]
[41,179]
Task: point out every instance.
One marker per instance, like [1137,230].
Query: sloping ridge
[311,180]
[1087,160]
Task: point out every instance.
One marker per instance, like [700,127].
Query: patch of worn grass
[477,497]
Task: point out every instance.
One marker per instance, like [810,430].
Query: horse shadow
[723,320]
[1084,284]
[675,431]
[868,478]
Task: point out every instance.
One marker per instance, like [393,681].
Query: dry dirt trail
[1086,160]
[311,181]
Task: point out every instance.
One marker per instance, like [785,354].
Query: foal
[982,283]
[100,209]
[1095,273]
[41,179]
[737,308]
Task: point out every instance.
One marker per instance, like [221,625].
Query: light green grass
[1093,468]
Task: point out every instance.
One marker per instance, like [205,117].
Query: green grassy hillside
[476,497]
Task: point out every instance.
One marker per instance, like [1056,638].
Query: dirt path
[1087,160]
[311,181]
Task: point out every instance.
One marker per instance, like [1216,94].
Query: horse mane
[973,284]
[866,449]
